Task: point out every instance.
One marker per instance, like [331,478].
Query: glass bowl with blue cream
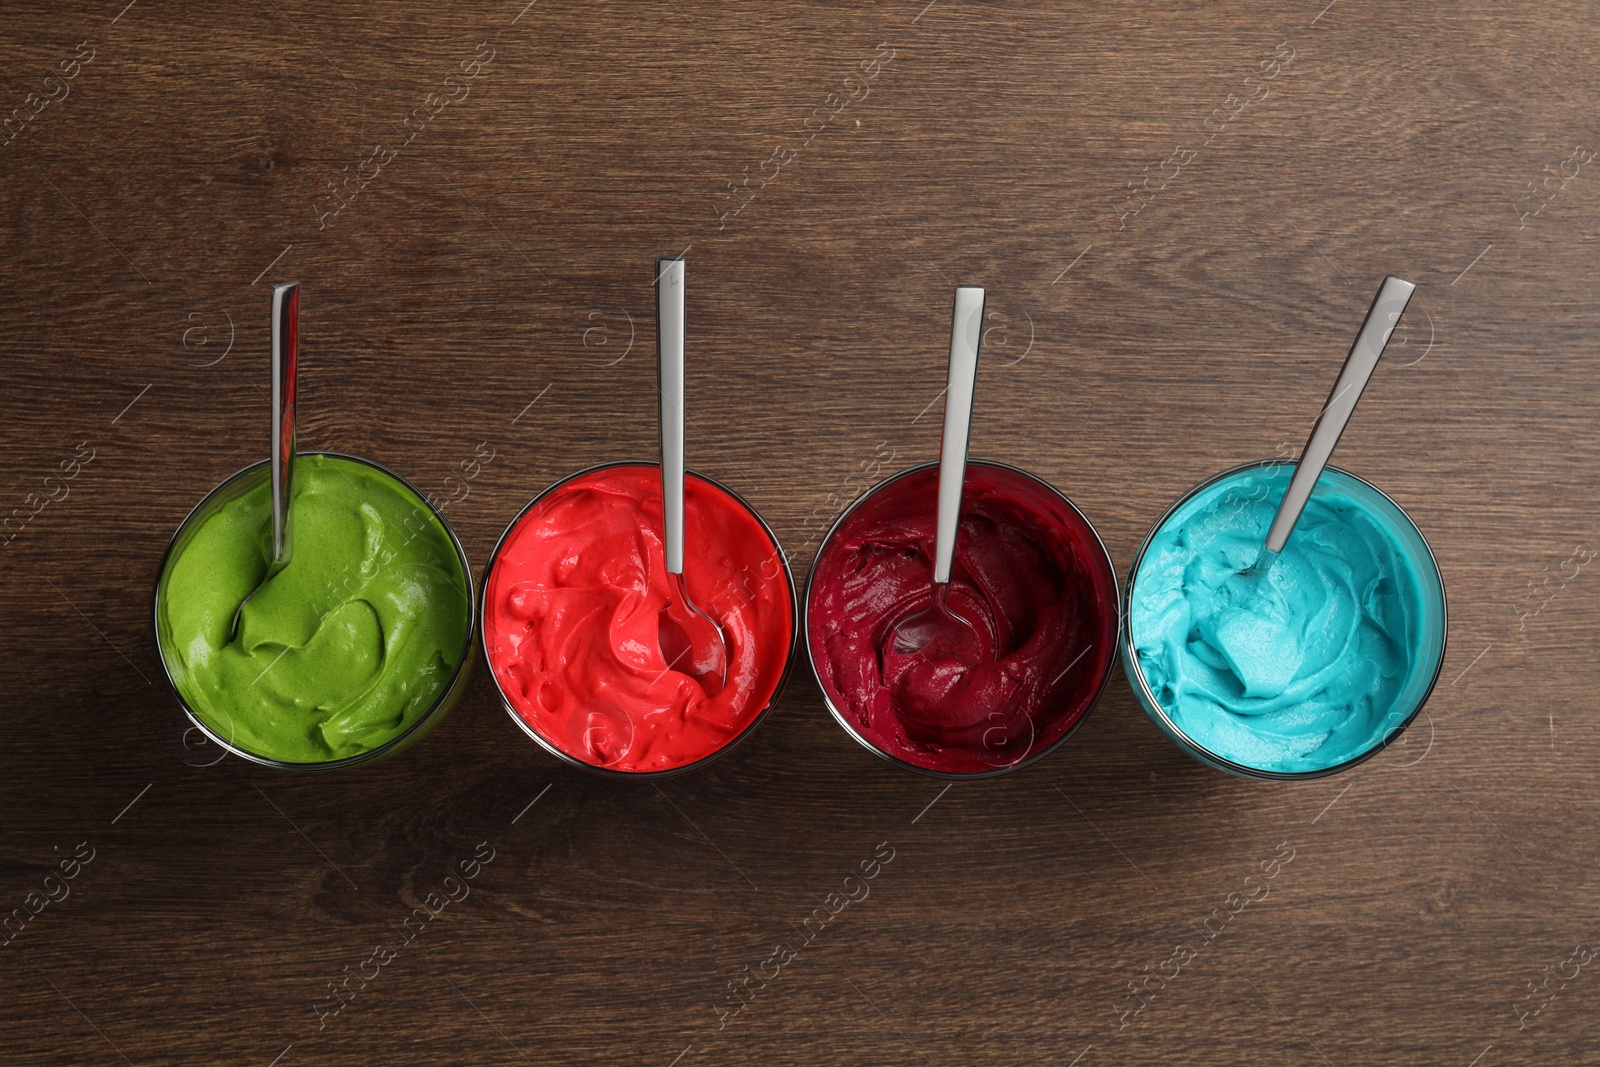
[1306,671]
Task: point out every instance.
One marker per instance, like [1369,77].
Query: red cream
[1029,573]
[571,610]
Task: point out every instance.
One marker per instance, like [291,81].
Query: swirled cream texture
[1300,669]
[572,611]
[347,646]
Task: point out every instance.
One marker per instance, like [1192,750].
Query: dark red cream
[1030,575]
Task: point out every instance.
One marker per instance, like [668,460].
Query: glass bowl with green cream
[350,653]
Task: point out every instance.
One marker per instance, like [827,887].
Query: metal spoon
[285,360]
[691,640]
[1382,316]
[920,629]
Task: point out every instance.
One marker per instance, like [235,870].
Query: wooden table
[1181,213]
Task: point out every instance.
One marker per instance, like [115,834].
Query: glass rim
[390,746]
[1135,670]
[849,727]
[609,772]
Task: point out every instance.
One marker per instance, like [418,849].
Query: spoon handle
[1358,367]
[669,341]
[966,333]
[285,365]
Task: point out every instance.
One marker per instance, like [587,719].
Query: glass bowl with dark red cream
[1032,576]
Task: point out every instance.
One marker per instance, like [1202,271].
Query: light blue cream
[1308,666]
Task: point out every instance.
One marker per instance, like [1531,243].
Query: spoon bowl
[692,641]
[934,627]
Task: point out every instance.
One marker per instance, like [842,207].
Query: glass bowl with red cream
[571,602]
[1030,574]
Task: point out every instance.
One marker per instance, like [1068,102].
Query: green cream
[347,647]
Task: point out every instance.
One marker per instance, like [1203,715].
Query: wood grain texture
[502,255]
